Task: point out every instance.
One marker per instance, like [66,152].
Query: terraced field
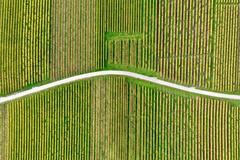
[121,118]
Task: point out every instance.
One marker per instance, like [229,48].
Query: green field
[24,43]
[121,118]
[76,38]
[43,41]
[3,132]
[189,42]
[193,43]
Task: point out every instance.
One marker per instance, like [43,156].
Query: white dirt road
[119,73]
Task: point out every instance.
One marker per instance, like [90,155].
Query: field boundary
[154,80]
[111,36]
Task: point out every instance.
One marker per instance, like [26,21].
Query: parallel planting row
[77,42]
[188,42]
[121,118]
[3,131]
[227,49]
[47,40]
[24,43]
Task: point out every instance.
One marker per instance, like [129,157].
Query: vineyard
[188,42]
[121,118]
[193,43]
[76,38]
[24,43]
[3,131]
[42,41]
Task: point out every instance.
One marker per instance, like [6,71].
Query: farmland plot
[76,38]
[3,132]
[227,52]
[24,43]
[67,122]
[168,126]
[121,118]
[188,42]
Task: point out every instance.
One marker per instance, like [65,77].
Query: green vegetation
[194,43]
[77,39]
[187,42]
[226,49]
[121,118]
[24,43]
[3,132]
[191,43]
[110,36]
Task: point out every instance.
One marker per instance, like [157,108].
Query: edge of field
[137,81]
[155,74]
[3,132]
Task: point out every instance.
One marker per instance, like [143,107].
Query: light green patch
[130,69]
[111,36]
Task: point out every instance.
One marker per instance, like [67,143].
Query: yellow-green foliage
[187,42]
[3,132]
[114,118]
[24,43]
[77,38]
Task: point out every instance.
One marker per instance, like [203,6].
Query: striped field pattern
[118,118]
[3,132]
[193,43]
[24,43]
[188,42]
[76,38]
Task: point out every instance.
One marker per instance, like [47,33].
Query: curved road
[119,73]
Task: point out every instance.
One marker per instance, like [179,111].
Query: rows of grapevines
[24,43]
[193,43]
[121,16]
[3,132]
[189,42]
[66,122]
[51,125]
[109,136]
[76,38]
[117,118]
[227,58]
[168,126]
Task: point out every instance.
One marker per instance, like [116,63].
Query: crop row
[51,125]
[3,133]
[227,58]
[188,42]
[48,40]
[118,118]
[166,126]
[24,43]
[76,38]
